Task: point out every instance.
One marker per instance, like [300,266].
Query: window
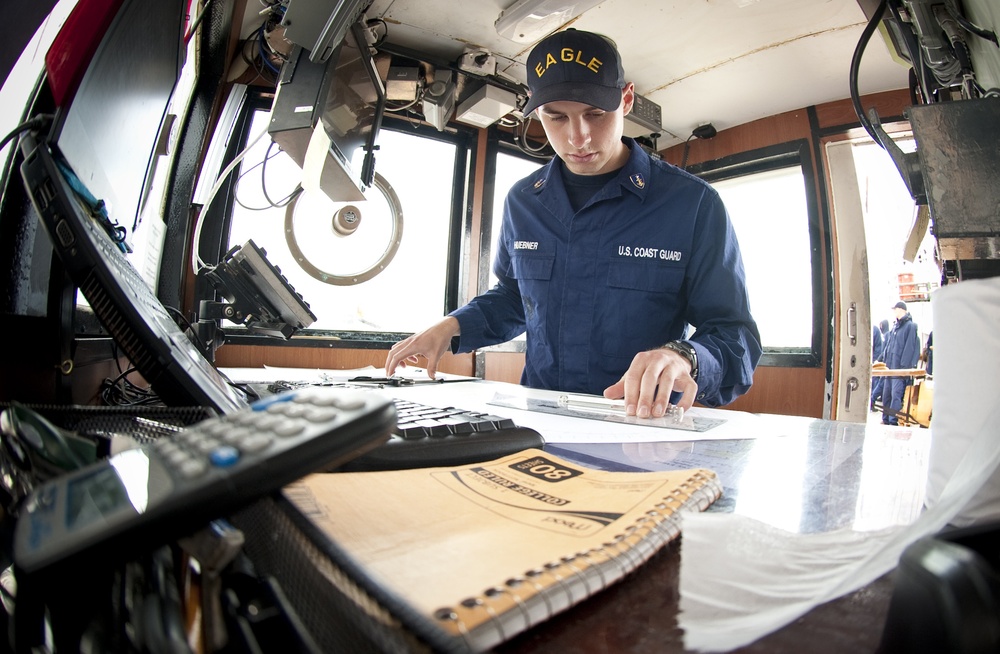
[770,200]
[409,293]
[767,211]
[510,169]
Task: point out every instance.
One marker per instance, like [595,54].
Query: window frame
[776,157]
[497,142]
[465,141]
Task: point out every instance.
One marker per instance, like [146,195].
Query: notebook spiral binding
[543,592]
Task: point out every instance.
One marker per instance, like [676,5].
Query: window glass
[769,213]
[889,217]
[510,169]
[408,293]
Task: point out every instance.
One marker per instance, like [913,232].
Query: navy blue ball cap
[575,66]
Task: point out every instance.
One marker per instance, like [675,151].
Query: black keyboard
[427,436]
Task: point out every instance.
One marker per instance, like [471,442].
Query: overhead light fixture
[528,21]
[486,106]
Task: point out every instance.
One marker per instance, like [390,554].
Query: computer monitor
[102,143]
[326,116]
[108,128]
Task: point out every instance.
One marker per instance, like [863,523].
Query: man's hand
[431,344]
[648,382]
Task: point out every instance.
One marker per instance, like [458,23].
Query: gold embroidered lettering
[569,55]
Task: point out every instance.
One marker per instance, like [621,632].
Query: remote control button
[233,436]
[289,429]
[265,421]
[217,429]
[244,419]
[224,456]
[320,399]
[320,414]
[192,468]
[350,403]
[290,410]
[207,445]
[254,443]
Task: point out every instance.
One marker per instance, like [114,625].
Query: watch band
[687,351]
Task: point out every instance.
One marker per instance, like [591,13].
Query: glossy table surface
[808,476]
[798,474]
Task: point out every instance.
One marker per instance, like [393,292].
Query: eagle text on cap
[568,55]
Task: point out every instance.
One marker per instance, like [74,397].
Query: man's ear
[628,98]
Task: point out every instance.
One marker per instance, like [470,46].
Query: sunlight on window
[889,214]
[409,293]
[769,214]
[510,169]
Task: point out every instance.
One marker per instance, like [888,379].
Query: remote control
[171,487]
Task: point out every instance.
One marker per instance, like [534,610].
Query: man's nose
[579,133]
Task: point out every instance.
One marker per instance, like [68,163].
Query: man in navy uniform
[607,257]
[902,351]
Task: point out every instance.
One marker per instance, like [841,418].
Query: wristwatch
[687,351]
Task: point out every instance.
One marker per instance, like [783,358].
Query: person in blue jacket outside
[902,353]
[607,258]
[880,341]
[877,343]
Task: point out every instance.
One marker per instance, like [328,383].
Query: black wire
[262,44]
[244,173]
[120,391]
[280,204]
[256,61]
[263,183]
[36,122]
[687,150]
[186,325]
[968,25]
[866,35]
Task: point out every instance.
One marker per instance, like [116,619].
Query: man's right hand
[431,344]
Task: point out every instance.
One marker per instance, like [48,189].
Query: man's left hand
[647,384]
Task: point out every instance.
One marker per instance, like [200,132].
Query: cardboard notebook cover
[486,551]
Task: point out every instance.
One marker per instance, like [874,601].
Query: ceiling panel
[724,61]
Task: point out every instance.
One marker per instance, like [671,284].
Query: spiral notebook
[486,551]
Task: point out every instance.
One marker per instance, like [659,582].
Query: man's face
[586,138]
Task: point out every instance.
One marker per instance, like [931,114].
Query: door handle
[852,323]
[852,385]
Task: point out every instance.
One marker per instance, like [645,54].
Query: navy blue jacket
[878,345]
[650,254]
[903,347]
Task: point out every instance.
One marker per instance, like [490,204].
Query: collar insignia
[638,181]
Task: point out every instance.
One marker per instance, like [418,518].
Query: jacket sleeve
[910,355]
[726,337]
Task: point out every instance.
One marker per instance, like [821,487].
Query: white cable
[196,263]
